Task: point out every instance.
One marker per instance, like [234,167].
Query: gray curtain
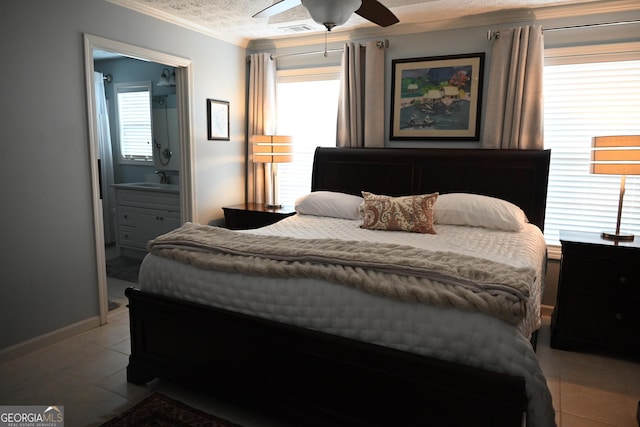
[361,105]
[261,118]
[514,111]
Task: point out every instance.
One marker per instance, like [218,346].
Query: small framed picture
[437,98]
[217,120]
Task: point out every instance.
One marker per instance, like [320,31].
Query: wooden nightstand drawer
[602,275]
[604,320]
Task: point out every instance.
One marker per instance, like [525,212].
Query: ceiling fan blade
[377,13]
[277,8]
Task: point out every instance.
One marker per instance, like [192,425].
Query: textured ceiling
[232,19]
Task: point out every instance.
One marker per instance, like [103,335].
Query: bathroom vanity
[145,210]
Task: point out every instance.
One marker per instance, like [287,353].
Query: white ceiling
[231,20]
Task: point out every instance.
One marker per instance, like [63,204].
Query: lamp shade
[272,149]
[616,155]
[333,12]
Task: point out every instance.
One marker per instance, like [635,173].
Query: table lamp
[271,150]
[616,155]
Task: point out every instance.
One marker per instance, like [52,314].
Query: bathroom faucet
[164,179]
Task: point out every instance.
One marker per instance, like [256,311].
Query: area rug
[124,268]
[158,410]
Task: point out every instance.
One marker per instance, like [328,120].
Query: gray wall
[471,40]
[48,265]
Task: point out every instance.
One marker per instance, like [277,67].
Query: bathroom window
[133,106]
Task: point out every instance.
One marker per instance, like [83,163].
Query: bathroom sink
[149,186]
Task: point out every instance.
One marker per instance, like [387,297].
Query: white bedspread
[464,337]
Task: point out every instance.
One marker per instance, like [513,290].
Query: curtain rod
[316,52]
[603,24]
[496,34]
[380,44]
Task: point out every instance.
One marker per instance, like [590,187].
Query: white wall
[48,267]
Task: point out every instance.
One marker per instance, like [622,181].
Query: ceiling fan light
[335,12]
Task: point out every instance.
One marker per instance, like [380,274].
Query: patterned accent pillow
[406,213]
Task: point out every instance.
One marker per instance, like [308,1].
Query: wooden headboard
[518,176]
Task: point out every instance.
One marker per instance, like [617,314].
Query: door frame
[184,90]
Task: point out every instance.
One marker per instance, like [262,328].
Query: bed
[299,365]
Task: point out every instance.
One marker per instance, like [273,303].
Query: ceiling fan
[332,13]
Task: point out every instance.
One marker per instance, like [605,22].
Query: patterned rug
[124,268]
[158,410]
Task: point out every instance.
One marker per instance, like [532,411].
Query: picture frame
[217,120]
[437,98]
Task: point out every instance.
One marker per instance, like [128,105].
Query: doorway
[183,74]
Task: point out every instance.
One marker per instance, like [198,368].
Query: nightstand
[598,305]
[254,215]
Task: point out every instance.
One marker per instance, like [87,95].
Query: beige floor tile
[574,421]
[93,406]
[123,347]
[98,365]
[117,383]
[590,370]
[598,405]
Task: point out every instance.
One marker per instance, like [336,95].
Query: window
[589,92]
[133,105]
[308,111]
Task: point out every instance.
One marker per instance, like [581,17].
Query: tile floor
[86,374]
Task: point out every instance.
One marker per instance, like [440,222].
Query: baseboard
[546,310]
[47,339]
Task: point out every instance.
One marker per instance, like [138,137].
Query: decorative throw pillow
[329,203]
[405,213]
[478,211]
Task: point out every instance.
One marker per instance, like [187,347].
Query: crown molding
[172,19]
[338,35]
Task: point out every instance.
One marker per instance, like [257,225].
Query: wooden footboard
[312,377]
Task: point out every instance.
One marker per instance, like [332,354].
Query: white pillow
[478,211]
[329,203]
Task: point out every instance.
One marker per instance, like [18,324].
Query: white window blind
[307,111]
[134,122]
[588,95]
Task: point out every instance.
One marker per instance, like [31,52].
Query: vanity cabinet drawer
[126,216]
[126,236]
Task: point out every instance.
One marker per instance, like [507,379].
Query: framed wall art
[437,98]
[217,120]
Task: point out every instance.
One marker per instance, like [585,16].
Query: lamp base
[618,237]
